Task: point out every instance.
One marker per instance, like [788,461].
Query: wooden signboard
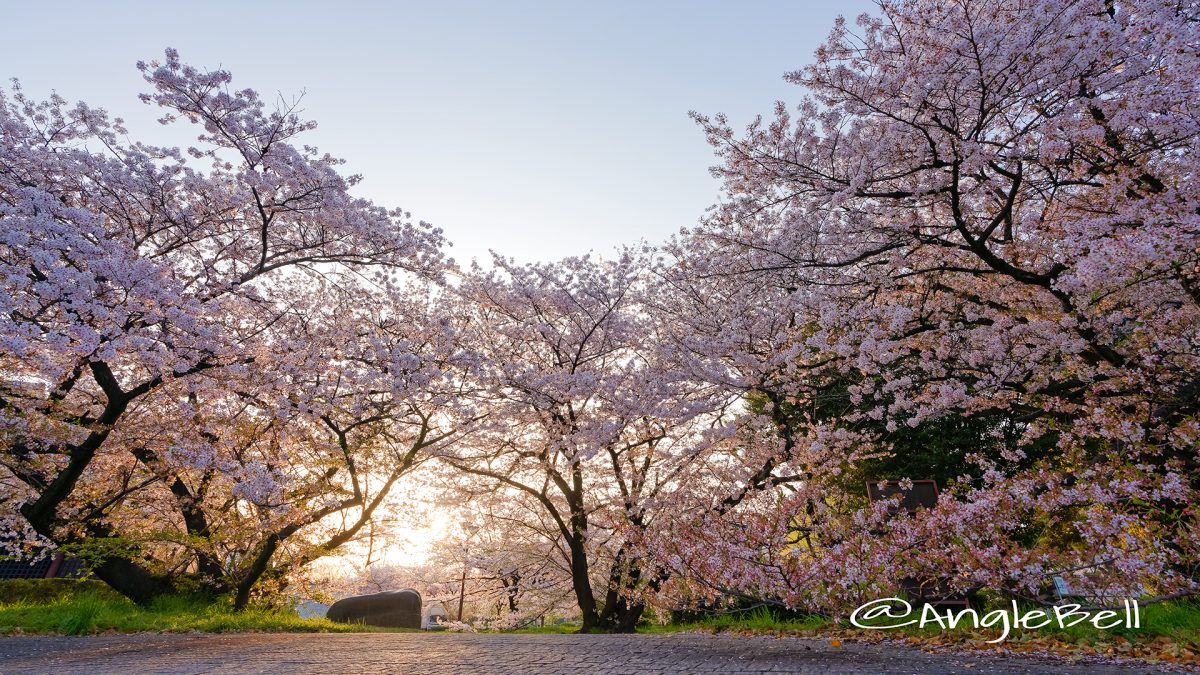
[923,494]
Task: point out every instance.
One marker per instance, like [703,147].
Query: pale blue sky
[540,129]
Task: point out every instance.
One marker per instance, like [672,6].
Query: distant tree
[514,558]
[587,418]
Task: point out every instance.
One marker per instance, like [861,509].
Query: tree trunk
[582,584]
[253,573]
[621,616]
[124,574]
[132,580]
[512,589]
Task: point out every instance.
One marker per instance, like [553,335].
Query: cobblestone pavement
[457,653]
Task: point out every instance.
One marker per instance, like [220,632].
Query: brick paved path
[457,653]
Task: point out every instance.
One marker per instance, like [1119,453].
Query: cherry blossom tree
[511,552]
[587,418]
[316,454]
[216,362]
[165,332]
[981,208]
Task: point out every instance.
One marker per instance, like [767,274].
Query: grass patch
[1178,620]
[1169,632]
[82,608]
[553,629]
[759,620]
[49,590]
[79,618]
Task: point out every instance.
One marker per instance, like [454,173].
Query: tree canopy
[971,253]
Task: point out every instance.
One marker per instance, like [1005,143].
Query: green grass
[760,620]
[1177,621]
[554,629]
[49,590]
[84,607]
[80,608]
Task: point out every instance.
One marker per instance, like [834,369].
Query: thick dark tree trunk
[125,575]
[255,572]
[132,580]
[581,583]
[621,616]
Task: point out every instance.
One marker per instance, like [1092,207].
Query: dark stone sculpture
[392,609]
